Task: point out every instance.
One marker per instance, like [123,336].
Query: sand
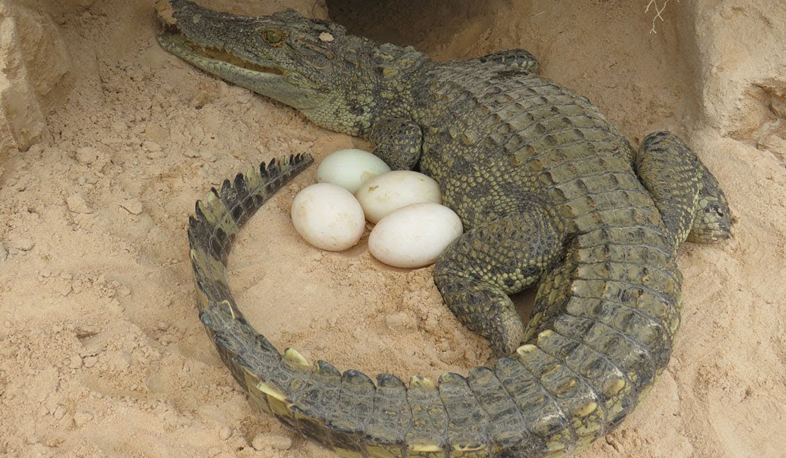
[107,141]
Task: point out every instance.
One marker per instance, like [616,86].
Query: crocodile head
[283,56]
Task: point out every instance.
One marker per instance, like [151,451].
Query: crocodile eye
[273,37]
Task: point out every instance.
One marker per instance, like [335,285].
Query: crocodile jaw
[213,60]
[264,77]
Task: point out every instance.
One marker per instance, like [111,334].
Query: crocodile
[551,195]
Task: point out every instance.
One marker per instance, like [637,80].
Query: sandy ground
[101,350]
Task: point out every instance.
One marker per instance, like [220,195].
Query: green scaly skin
[552,197]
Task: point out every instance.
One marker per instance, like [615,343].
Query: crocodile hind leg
[518,58]
[688,197]
[477,272]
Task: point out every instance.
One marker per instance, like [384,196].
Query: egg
[415,235]
[328,217]
[349,168]
[385,193]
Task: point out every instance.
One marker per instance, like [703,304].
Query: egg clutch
[412,227]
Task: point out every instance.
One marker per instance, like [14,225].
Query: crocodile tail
[553,396]
[211,230]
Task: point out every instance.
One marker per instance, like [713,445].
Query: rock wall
[33,61]
[737,52]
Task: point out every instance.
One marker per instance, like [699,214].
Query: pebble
[431,324]
[76,204]
[200,100]
[151,146]
[63,288]
[401,322]
[259,443]
[60,412]
[276,441]
[615,444]
[87,155]
[76,362]
[80,418]
[225,433]
[3,253]
[156,133]
[24,244]
[132,206]
[90,361]
[280,442]
[166,339]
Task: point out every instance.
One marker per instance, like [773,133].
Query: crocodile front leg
[523,246]
[397,142]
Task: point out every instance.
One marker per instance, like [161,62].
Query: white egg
[385,193]
[349,168]
[415,235]
[328,217]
